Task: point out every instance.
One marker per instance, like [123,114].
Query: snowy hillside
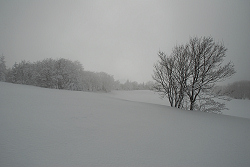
[45,127]
[236,107]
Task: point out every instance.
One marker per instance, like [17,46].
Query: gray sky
[121,38]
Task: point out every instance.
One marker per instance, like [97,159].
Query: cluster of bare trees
[187,76]
[133,85]
[236,90]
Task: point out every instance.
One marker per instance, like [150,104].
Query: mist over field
[90,83]
[121,38]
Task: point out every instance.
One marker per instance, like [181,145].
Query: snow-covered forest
[64,74]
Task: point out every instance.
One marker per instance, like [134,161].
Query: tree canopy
[188,75]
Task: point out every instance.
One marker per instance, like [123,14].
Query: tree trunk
[192,105]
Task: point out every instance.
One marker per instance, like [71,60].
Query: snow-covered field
[236,107]
[57,128]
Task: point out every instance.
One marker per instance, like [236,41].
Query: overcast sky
[121,38]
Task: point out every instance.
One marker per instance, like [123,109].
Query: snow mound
[45,127]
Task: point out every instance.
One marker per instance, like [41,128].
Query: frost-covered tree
[48,73]
[101,81]
[188,75]
[67,74]
[236,90]
[107,81]
[22,73]
[240,89]
[149,85]
[91,81]
[59,74]
[45,73]
[2,68]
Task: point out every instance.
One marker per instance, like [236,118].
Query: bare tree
[164,79]
[188,75]
[171,74]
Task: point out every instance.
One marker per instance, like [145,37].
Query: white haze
[121,38]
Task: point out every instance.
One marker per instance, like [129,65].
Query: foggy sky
[121,38]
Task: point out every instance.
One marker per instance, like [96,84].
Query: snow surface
[236,107]
[145,96]
[45,127]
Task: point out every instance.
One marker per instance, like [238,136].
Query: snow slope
[44,128]
[145,96]
[236,107]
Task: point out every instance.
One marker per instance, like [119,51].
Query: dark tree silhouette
[188,75]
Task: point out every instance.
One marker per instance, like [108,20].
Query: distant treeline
[236,90]
[63,74]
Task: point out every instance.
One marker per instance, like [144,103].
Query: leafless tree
[188,75]
[171,75]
